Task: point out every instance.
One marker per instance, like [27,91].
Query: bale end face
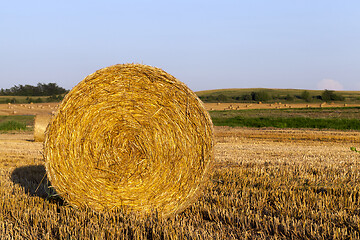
[40,125]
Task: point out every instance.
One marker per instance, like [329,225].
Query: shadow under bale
[35,182]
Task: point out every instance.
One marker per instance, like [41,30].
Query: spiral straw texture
[130,136]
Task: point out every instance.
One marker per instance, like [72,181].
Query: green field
[321,118]
[16,122]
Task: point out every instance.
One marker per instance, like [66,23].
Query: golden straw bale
[129,136]
[41,122]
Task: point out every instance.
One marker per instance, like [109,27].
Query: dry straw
[41,122]
[130,136]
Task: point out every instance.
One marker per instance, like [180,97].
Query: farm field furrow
[265,183]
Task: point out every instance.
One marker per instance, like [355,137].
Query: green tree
[289,98]
[28,90]
[222,98]
[261,96]
[329,95]
[247,97]
[305,95]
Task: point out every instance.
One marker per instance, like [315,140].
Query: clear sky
[307,44]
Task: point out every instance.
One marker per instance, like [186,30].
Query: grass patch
[343,113]
[12,125]
[295,122]
[17,122]
[321,118]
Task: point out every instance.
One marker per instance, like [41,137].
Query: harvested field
[267,183]
[48,108]
[28,109]
[242,106]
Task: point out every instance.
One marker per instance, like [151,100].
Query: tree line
[263,96]
[40,89]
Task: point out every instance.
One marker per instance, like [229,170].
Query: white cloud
[329,84]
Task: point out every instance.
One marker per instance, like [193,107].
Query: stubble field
[265,183]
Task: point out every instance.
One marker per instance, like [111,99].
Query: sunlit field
[265,183]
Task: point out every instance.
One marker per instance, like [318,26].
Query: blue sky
[307,44]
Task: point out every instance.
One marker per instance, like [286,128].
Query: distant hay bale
[129,136]
[40,125]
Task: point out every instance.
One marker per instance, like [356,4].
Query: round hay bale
[129,136]
[40,125]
